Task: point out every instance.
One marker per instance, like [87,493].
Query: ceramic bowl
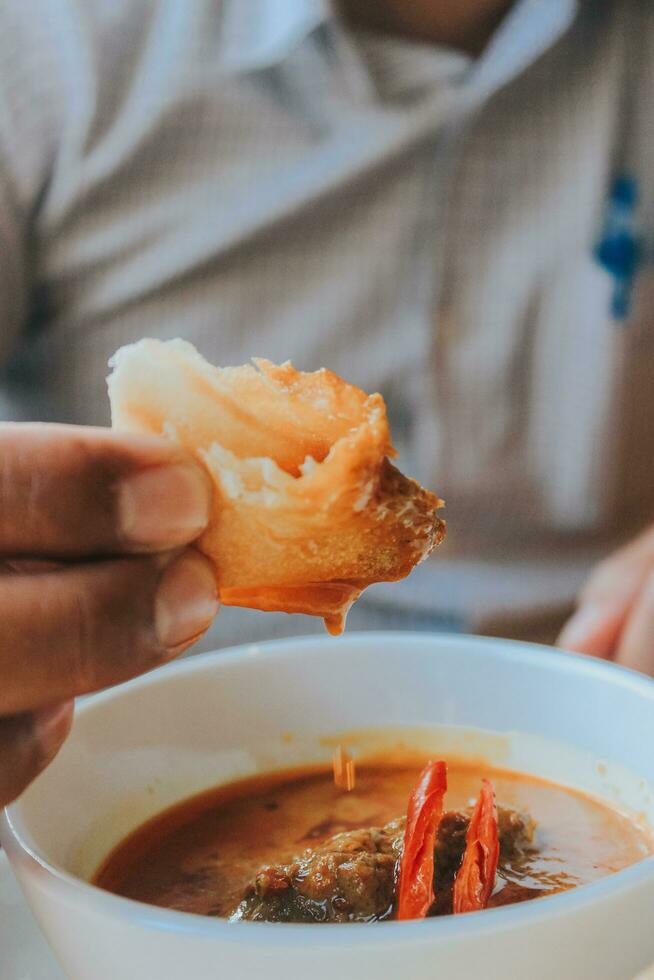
[205,720]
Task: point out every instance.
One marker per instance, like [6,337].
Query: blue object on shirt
[620,248]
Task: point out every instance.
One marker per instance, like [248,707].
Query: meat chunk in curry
[238,850]
[351,877]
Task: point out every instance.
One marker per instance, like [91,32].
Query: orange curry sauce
[199,855]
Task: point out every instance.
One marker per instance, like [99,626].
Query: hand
[615,615]
[96,584]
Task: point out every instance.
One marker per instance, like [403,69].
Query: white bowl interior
[211,719]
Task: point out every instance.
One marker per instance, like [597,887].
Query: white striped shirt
[259,179]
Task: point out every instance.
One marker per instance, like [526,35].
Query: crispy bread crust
[308,510]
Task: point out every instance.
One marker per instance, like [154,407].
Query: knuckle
[647,595]
[56,489]
[609,578]
[75,630]
[81,636]
[110,628]
[599,579]
[91,473]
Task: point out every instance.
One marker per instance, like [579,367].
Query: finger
[28,742]
[608,598]
[69,491]
[636,647]
[594,628]
[620,577]
[87,627]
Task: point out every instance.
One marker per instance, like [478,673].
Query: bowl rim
[81,893]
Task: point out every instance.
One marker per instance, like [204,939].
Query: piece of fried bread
[308,510]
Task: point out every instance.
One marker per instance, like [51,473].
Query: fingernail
[52,725]
[165,506]
[186,601]
[582,627]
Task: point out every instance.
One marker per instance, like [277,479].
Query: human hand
[96,582]
[615,614]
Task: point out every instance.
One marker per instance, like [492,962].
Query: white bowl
[139,748]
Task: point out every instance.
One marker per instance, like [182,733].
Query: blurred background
[449,203]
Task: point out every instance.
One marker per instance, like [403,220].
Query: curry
[293,847]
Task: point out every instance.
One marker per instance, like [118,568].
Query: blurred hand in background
[615,613]
[449,203]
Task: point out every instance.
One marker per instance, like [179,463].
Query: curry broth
[199,855]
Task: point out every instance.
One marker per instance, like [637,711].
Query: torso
[471,299]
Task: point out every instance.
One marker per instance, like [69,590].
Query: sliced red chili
[415,892]
[474,883]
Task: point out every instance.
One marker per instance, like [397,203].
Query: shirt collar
[527,31]
[259,33]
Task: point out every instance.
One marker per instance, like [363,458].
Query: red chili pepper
[475,880]
[416,881]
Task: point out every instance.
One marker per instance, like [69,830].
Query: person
[447,202]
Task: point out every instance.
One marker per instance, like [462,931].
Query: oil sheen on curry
[410,841]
